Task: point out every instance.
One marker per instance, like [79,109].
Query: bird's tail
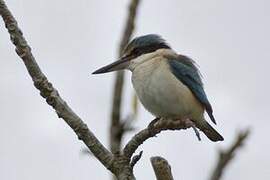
[209,131]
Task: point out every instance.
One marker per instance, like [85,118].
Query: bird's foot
[151,126]
[190,123]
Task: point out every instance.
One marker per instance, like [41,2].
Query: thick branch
[162,168]
[51,95]
[143,135]
[225,156]
[116,129]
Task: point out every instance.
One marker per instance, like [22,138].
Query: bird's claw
[151,126]
[191,124]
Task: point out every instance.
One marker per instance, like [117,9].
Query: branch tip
[225,156]
[161,168]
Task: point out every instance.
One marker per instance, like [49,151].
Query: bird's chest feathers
[145,78]
[158,90]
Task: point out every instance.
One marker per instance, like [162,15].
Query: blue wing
[185,71]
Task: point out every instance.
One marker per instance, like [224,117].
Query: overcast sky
[229,40]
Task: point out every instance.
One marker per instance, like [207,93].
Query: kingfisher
[168,84]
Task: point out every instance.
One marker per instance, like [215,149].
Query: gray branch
[117,127]
[162,168]
[143,135]
[51,95]
[225,156]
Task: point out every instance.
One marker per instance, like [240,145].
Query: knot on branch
[81,130]
[45,87]
[22,48]
[11,26]
[16,37]
[47,90]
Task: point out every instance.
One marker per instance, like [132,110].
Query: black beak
[117,65]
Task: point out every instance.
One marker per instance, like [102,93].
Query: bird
[169,85]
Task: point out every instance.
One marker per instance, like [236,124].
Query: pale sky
[70,39]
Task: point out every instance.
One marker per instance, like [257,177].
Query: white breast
[161,93]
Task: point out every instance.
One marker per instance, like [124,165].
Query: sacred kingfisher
[168,84]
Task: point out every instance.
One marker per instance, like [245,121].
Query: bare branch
[116,129]
[162,168]
[145,134]
[225,156]
[51,95]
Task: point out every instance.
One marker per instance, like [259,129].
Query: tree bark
[161,168]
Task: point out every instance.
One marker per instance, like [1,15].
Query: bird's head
[136,48]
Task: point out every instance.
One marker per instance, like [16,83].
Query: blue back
[185,71]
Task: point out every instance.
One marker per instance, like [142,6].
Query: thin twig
[51,95]
[162,168]
[135,159]
[116,128]
[225,156]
